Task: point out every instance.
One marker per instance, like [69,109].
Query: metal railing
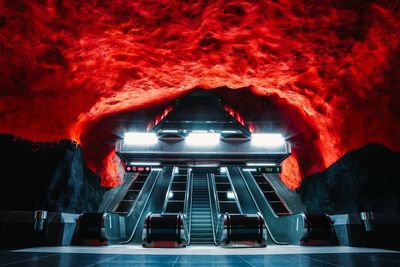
[215,211]
[283,230]
[188,204]
[234,191]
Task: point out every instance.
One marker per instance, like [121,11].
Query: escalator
[201,230]
[286,220]
[126,204]
[276,203]
[123,221]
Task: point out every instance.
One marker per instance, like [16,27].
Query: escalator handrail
[141,192]
[188,203]
[213,204]
[168,191]
[234,191]
[258,208]
[144,205]
[216,196]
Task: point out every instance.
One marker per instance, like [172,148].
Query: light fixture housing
[230,195]
[145,163]
[267,140]
[260,164]
[202,139]
[140,138]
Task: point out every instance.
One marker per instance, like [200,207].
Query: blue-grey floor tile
[211,260]
[283,260]
[7,258]
[113,260]
[140,260]
[64,259]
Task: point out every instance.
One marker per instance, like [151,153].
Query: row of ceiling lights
[204,139]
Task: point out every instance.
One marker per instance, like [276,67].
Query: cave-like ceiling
[333,66]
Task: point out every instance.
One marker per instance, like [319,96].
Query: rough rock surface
[51,176]
[367,179]
[67,65]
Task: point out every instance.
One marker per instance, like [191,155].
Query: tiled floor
[131,256]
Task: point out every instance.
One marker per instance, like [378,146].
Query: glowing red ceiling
[66,64]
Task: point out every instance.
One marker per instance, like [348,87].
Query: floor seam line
[251,264]
[102,261]
[20,261]
[176,260]
[317,260]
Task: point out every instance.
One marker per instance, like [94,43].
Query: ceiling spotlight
[136,138]
[267,140]
[202,139]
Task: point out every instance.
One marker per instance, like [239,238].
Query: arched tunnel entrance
[207,169]
[257,113]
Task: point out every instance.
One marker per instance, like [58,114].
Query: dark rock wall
[367,179]
[51,176]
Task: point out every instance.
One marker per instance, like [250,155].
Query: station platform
[135,255]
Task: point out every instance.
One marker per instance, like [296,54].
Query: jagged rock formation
[367,179]
[51,176]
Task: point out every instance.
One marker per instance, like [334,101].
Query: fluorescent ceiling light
[202,139]
[260,164]
[170,131]
[135,138]
[144,163]
[230,195]
[249,170]
[268,140]
[156,169]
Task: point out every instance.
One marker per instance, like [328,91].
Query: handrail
[258,208]
[188,203]
[140,193]
[234,191]
[169,189]
[216,196]
[213,204]
[145,204]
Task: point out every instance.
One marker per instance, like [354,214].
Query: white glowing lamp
[202,139]
[139,138]
[267,140]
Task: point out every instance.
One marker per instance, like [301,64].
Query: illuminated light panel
[170,195]
[202,139]
[230,195]
[223,170]
[260,164]
[136,138]
[267,140]
[148,163]
[249,169]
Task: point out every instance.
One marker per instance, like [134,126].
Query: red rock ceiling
[331,68]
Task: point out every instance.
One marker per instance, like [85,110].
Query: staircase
[201,223]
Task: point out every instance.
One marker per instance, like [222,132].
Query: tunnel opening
[257,113]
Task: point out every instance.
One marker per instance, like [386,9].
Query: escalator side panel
[115,195]
[155,202]
[291,198]
[244,198]
[282,230]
